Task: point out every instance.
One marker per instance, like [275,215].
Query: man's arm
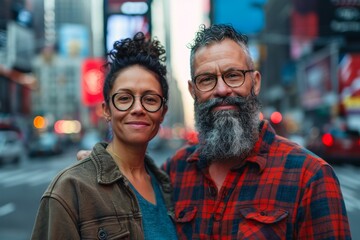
[322,212]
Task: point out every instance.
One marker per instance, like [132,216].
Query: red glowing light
[276,117]
[327,139]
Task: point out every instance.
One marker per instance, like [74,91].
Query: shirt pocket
[262,224]
[104,229]
[185,214]
[185,221]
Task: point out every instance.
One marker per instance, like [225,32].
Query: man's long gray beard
[226,134]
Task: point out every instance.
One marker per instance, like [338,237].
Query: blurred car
[11,147]
[297,139]
[169,137]
[47,143]
[89,139]
[336,145]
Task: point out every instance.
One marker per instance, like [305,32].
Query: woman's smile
[137,124]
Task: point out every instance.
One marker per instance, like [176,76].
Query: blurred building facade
[315,38]
[308,57]
[307,53]
[16,53]
[61,37]
[64,41]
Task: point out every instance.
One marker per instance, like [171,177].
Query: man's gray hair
[217,33]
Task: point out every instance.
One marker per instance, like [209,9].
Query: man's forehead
[221,55]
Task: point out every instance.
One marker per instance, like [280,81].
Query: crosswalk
[35,172]
[349,178]
[32,178]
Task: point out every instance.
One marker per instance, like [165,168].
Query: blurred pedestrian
[242,180]
[117,192]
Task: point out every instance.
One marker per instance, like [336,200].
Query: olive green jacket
[93,200]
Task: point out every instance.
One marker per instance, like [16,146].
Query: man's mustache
[215,102]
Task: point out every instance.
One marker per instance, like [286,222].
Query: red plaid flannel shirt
[281,191]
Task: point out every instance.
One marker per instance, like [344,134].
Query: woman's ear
[106,111]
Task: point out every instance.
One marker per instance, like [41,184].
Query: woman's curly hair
[136,51]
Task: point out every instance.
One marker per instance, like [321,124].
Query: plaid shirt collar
[258,154]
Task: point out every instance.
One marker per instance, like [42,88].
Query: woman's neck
[130,161]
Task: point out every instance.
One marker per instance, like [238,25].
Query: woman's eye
[150,100]
[123,98]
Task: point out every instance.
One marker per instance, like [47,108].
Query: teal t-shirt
[157,223]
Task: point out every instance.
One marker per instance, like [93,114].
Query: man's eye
[206,79]
[232,75]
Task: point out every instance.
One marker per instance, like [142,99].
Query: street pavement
[22,186]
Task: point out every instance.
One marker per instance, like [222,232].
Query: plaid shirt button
[212,192]
[181,214]
[217,216]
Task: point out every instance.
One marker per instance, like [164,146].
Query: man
[242,181]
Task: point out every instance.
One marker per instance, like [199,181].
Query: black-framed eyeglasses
[151,102]
[233,78]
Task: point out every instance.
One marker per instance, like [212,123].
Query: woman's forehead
[137,79]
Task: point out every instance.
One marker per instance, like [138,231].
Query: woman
[117,192]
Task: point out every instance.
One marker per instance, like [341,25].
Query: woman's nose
[137,106]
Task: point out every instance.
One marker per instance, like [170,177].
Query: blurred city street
[52,54]
[22,186]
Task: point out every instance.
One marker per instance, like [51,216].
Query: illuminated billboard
[121,26]
[247,16]
[349,82]
[124,18]
[73,40]
[318,80]
[92,79]
[329,18]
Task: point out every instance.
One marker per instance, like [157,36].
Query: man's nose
[221,88]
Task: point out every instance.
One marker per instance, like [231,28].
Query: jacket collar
[107,171]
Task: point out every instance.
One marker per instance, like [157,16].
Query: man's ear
[191,88]
[257,82]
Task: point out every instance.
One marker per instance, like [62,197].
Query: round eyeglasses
[150,102]
[233,78]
